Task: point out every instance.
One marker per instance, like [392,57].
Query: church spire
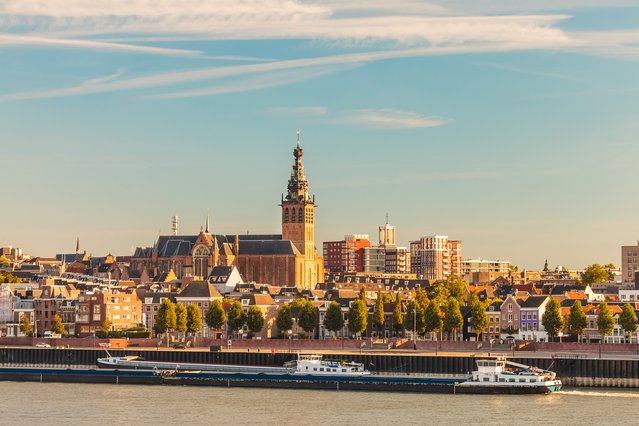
[77,245]
[297,184]
[207,222]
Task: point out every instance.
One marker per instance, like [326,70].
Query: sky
[511,126]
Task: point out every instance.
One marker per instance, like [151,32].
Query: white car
[42,345]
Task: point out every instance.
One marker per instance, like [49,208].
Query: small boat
[498,375]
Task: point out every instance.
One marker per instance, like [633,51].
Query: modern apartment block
[374,259]
[346,255]
[436,257]
[481,265]
[629,262]
[397,260]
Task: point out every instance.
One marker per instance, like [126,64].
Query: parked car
[105,345]
[42,345]
[179,345]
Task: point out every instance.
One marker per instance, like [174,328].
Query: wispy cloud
[175,78]
[9,40]
[259,82]
[299,110]
[100,80]
[526,70]
[392,119]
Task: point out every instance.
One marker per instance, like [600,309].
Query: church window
[301,216]
[286,215]
[293,215]
[201,261]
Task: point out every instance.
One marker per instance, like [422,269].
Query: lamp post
[414,327]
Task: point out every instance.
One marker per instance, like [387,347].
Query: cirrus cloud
[387,118]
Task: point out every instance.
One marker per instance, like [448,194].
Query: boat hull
[292,381]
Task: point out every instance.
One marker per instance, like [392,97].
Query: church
[288,259]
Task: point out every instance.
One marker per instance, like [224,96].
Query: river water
[61,403]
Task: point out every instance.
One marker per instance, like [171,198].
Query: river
[61,403]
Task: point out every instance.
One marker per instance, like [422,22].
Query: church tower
[298,220]
[298,208]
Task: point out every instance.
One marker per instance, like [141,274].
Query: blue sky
[509,125]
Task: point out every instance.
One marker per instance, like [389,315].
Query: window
[510,307]
[300,218]
[286,215]
[293,216]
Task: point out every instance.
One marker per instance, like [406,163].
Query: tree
[453,319]
[456,288]
[57,326]
[478,318]
[358,317]
[307,318]
[362,294]
[577,321]
[334,320]
[106,326]
[551,319]
[166,320]
[594,273]
[432,318]
[180,319]
[398,318]
[378,316]
[422,298]
[386,298]
[628,320]
[25,325]
[236,318]
[414,317]
[215,316]
[605,321]
[193,318]
[8,277]
[284,320]
[254,320]
[610,268]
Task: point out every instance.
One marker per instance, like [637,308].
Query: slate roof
[267,247]
[533,302]
[199,289]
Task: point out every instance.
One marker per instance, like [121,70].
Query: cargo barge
[488,379]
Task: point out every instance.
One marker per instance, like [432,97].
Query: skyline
[510,127]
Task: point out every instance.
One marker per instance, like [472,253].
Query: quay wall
[573,371]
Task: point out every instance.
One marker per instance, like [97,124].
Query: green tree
[4,260]
[307,318]
[284,320]
[432,318]
[166,319]
[453,319]
[594,273]
[8,277]
[105,327]
[457,288]
[25,325]
[358,317]
[478,318]
[398,318]
[610,268]
[577,321]
[193,318]
[386,298]
[628,320]
[362,294]
[334,320]
[215,316]
[378,316]
[605,321]
[236,318]
[422,297]
[57,326]
[180,319]
[551,319]
[414,317]
[254,320]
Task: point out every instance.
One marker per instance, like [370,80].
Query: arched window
[286,215]
[301,216]
[201,261]
[293,215]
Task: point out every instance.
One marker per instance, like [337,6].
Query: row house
[267,305]
[530,313]
[123,310]
[202,294]
[592,334]
[151,303]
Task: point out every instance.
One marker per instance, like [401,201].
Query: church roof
[268,247]
[199,289]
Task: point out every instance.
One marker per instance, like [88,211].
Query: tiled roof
[199,289]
